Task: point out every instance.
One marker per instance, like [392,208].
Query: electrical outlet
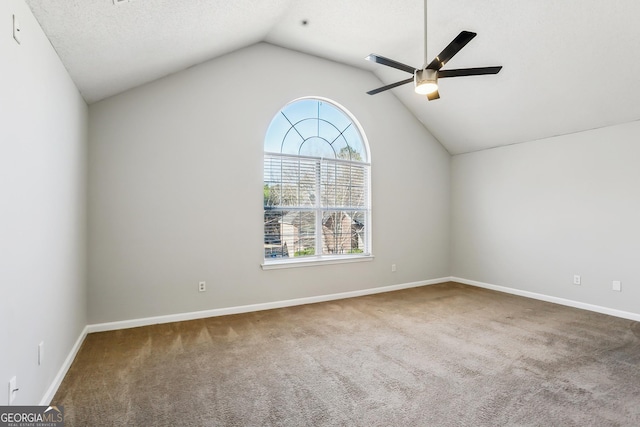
[577,280]
[616,286]
[13,389]
[393,267]
[202,286]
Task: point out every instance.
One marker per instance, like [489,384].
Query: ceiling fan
[426,79]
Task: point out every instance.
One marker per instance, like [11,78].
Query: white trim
[556,300]
[318,209]
[111,326]
[133,323]
[293,263]
[53,388]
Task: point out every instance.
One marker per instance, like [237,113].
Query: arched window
[316,185]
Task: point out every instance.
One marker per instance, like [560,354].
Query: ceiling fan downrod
[425,81]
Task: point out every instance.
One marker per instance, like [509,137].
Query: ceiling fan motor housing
[425,81]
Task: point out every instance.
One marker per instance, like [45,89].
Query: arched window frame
[317,178]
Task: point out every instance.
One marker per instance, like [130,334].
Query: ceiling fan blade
[454,47]
[433,95]
[390,63]
[391,86]
[469,72]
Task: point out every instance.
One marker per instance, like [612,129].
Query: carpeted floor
[441,355]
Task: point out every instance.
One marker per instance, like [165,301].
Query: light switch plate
[13,389]
[41,353]
[16,29]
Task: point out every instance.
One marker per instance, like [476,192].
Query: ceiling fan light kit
[425,80]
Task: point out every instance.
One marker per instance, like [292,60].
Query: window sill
[277,265]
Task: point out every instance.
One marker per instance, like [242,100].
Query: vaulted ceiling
[569,65]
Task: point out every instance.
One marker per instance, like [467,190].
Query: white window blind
[304,195]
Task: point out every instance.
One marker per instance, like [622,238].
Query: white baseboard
[110,326]
[53,388]
[133,323]
[547,298]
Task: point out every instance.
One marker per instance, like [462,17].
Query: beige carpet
[441,355]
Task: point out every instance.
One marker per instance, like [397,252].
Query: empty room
[448,233]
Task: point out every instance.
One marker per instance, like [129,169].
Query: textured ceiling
[569,65]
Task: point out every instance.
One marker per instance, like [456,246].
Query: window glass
[316,184]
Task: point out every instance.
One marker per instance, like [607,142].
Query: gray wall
[175,184]
[42,208]
[530,216]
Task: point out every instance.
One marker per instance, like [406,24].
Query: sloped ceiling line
[552,53]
